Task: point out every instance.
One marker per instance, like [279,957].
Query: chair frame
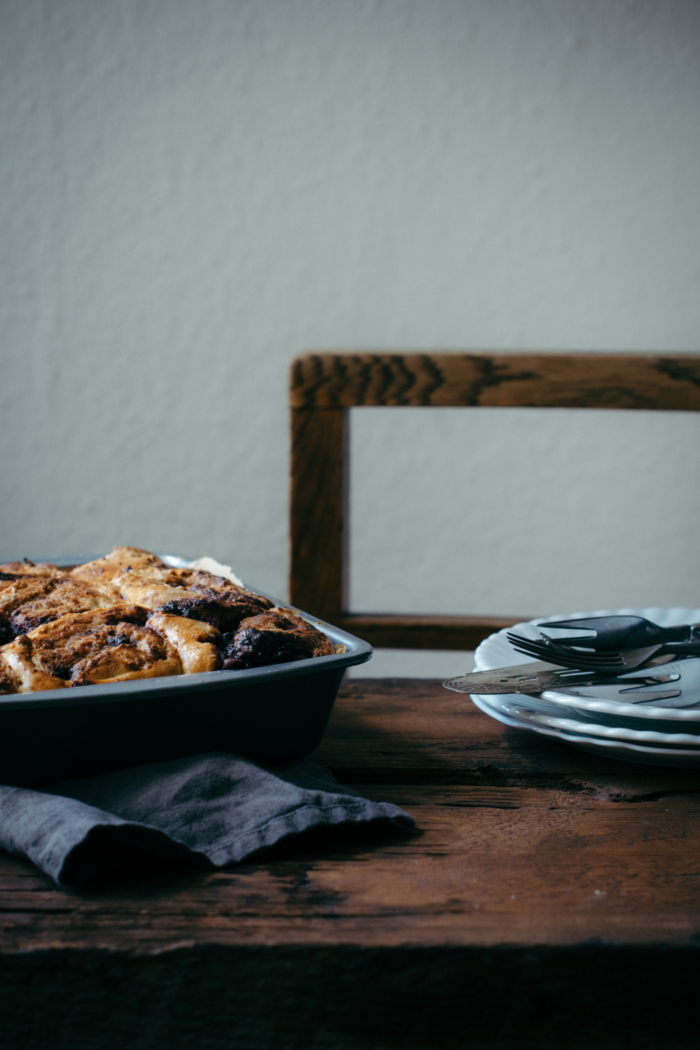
[325,386]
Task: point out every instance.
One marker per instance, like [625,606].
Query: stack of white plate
[638,726]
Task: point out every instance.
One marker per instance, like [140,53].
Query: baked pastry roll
[192,594]
[65,596]
[130,615]
[273,637]
[106,645]
[27,601]
[197,644]
[15,590]
[104,570]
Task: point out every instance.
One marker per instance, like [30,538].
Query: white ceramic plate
[638,733]
[585,712]
[496,651]
[628,752]
[512,706]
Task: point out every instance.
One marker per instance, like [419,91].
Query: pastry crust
[67,596]
[274,637]
[192,594]
[7,685]
[15,590]
[106,645]
[115,563]
[22,672]
[129,615]
[196,643]
[30,568]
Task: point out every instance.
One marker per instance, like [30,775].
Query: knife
[535,677]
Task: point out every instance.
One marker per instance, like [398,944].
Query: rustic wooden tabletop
[547,898]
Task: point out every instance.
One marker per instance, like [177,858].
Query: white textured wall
[191,191]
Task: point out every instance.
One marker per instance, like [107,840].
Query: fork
[605,662]
[614,632]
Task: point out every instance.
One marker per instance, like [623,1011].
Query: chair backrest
[324,386]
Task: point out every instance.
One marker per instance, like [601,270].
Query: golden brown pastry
[198,577]
[149,589]
[66,596]
[22,672]
[6,683]
[197,644]
[274,637]
[30,568]
[195,595]
[129,615]
[115,563]
[207,583]
[226,614]
[15,591]
[106,645]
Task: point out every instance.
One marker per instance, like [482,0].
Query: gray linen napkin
[214,809]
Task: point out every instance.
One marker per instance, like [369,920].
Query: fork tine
[548,645]
[534,645]
[604,662]
[567,656]
[567,653]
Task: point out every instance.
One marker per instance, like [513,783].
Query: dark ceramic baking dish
[269,714]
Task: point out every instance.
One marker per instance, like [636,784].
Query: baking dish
[269,714]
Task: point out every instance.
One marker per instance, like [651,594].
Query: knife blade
[538,676]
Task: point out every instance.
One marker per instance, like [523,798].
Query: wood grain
[520,841]
[512,866]
[524,379]
[548,898]
[324,386]
[414,731]
[317,513]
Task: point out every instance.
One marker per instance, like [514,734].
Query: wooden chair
[324,386]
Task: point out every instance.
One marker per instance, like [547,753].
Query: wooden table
[549,899]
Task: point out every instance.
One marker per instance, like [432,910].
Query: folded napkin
[214,809]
